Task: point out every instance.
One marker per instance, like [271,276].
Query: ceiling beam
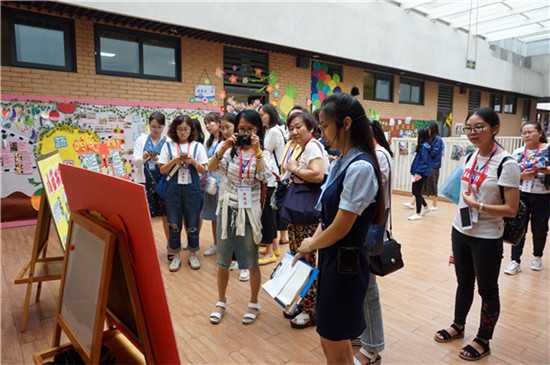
[527,31]
[486,17]
[503,25]
[449,9]
[408,5]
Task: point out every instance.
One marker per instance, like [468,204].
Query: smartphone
[183,155]
[152,153]
[465,217]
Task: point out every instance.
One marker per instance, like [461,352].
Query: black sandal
[474,354]
[447,336]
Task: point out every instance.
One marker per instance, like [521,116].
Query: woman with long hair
[478,228]
[350,202]
[420,170]
[534,192]
[239,220]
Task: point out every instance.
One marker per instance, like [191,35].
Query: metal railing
[455,149]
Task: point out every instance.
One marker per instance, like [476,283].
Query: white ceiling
[501,22]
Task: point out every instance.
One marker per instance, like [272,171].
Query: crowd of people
[231,177]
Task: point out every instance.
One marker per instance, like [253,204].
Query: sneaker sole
[512,272]
[536,268]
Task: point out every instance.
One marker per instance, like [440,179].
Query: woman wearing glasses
[184,195]
[239,219]
[146,157]
[478,228]
[534,192]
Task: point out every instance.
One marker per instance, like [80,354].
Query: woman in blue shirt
[420,170]
[436,151]
[349,203]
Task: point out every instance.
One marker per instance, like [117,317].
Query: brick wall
[198,56]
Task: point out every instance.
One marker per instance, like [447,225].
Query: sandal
[301,321]
[474,354]
[447,337]
[250,317]
[290,316]
[374,358]
[216,317]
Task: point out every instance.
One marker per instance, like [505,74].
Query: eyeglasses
[183,130]
[247,130]
[478,129]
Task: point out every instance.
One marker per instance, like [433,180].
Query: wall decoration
[207,92]
[324,82]
[233,79]
[457,152]
[287,101]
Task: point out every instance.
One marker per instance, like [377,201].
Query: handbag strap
[390,232]
[174,168]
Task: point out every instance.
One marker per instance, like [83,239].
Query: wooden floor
[416,301]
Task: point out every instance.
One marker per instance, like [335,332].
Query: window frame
[492,102]
[140,37]
[410,82]
[379,76]
[22,17]
[514,104]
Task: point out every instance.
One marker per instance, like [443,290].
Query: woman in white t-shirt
[184,196]
[534,192]
[310,166]
[478,228]
[274,145]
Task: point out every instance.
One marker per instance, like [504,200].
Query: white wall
[372,31]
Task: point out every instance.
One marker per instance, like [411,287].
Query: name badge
[527,185]
[151,165]
[183,176]
[244,196]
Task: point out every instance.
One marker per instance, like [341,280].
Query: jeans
[417,192]
[477,258]
[538,211]
[183,202]
[372,338]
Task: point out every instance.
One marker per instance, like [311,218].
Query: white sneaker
[212,250]
[186,245]
[234,266]
[424,211]
[408,205]
[433,209]
[414,217]
[175,264]
[513,268]
[536,264]
[194,262]
[244,275]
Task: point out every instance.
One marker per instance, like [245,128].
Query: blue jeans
[183,202]
[372,338]
[538,211]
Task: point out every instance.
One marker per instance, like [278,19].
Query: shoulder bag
[514,227]
[162,184]
[376,232]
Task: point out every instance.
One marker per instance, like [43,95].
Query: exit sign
[471,64]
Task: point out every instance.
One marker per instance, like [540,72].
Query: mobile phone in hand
[152,153]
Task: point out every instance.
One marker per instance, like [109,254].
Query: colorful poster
[48,166]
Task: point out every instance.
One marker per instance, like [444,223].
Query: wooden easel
[39,269]
[117,299]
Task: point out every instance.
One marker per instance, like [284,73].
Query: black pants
[538,211]
[477,258]
[417,192]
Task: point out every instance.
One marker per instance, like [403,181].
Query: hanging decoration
[219,72]
[323,84]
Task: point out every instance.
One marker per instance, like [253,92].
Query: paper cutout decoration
[222,94]
[374,115]
[219,72]
[234,68]
[323,84]
[287,102]
[257,71]
[233,79]
[449,119]
[207,81]
[54,115]
[245,80]
[67,108]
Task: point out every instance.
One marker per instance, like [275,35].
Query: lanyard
[213,147]
[534,158]
[473,174]
[179,150]
[151,145]
[241,167]
[287,156]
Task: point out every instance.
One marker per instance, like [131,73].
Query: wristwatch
[480,209]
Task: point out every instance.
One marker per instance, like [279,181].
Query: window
[496,102]
[125,52]
[510,104]
[474,100]
[377,86]
[526,109]
[39,41]
[411,91]
[246,75]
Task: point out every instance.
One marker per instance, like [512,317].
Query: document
[288,284]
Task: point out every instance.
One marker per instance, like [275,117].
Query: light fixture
[107,54]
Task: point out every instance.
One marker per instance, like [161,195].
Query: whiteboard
[82,283]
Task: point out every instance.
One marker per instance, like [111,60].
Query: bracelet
[218,157]
[258,158]
[259,154]
[480,209]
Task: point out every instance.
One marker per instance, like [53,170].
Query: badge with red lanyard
[184,177]
[244,193]
[527,184]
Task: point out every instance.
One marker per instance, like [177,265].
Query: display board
[48,167]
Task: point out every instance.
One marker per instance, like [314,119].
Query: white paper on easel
[287,281]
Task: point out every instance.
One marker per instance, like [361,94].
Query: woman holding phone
[478,228]
[184,195]
[146,157]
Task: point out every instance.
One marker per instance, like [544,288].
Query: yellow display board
[48,166]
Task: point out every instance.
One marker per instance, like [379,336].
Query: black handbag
[389,260]
[514,227]
[296,202]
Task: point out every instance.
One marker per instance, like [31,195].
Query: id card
[527,185]
[183,176]
[244,196]
[151,165]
